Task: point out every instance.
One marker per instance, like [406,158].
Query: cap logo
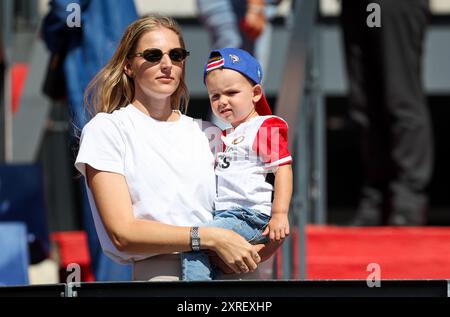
[234,58]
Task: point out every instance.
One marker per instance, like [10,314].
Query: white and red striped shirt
[244,169]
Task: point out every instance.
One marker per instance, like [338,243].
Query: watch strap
[195,239]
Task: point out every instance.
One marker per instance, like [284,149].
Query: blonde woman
[149,168]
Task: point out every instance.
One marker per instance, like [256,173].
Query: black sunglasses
[154,55]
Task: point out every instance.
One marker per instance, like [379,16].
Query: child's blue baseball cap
[242,62]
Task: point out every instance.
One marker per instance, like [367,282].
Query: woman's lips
[164,79]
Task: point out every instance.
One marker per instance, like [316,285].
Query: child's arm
[278,227]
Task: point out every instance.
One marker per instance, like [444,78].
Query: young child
[254,175]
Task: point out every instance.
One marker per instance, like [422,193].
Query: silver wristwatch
[195,239]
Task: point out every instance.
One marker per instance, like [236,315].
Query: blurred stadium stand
[22,200]
[14,259]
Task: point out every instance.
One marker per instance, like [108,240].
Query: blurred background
[43,222]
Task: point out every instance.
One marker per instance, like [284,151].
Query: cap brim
[262,107]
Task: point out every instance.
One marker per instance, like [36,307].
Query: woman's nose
[166,62]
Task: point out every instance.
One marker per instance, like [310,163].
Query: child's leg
[195,266]
[247,222]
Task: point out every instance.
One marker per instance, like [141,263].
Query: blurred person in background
[387,101]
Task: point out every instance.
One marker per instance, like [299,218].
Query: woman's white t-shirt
[168,167]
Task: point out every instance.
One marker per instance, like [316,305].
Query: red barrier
[73,248]
[19,74]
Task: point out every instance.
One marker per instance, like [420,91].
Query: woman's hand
[265,251]
[239,255]
[224,268]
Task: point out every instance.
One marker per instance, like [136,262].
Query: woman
[149,169]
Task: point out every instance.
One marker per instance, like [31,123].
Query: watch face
[195,245]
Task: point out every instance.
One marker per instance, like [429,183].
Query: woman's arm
[129,234]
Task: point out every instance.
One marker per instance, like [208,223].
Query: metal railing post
[293,104]
[6,19]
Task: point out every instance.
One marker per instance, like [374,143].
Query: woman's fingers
[246,263]
[243,268]
[256,257]
[218,262]
[236,252]
[251,265]
[236,268]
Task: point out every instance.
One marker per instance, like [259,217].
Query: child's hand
[278,227]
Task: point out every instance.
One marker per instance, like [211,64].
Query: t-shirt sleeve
[101,146]
[271,143]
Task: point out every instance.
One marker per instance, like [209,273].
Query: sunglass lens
[177,54]
[153,55]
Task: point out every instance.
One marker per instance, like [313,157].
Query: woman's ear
[257,93]
[127,69]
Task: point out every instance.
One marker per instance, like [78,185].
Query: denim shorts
[249,223]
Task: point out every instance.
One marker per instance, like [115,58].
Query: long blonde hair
[111,88]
